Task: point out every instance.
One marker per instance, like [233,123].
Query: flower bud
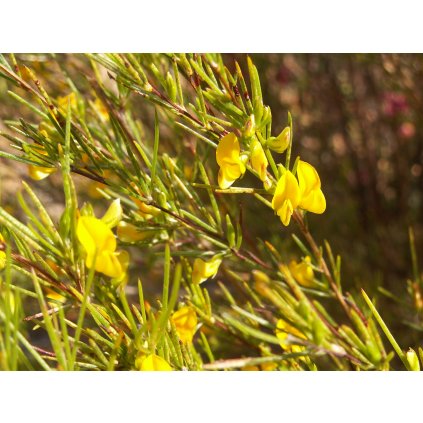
[86,210]
[267,116]
[281,142]
[171,86]
[260,277]
[127,232]
[250,127]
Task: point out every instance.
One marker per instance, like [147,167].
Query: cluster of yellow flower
[290,193]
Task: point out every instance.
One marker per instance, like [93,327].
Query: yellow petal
[228,158]
[285,212]
[229,173]
[228,149]
[95,235]
[110,264]
[223,180]
[258,159]
[203,270]
[113,214]
[286,189]
[315,202]
[312,197]
[38,172]
[153,362]
[185,321]
[308,178]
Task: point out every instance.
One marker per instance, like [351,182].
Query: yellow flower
[97,238]
[312,198]
[304,193]
[151,363]
[204,270]
[2,253]
[258,159]
[185,321]
[283,329]
[286,197]
[229,160]
[302,272]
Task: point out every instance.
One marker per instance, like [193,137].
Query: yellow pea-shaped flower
[152,363]
[312,197]
[302,272]
[287,197]
[258,159]
[99,244]
[204,270]
[229,160]
[185,321]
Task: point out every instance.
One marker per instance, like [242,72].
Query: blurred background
[358,120]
